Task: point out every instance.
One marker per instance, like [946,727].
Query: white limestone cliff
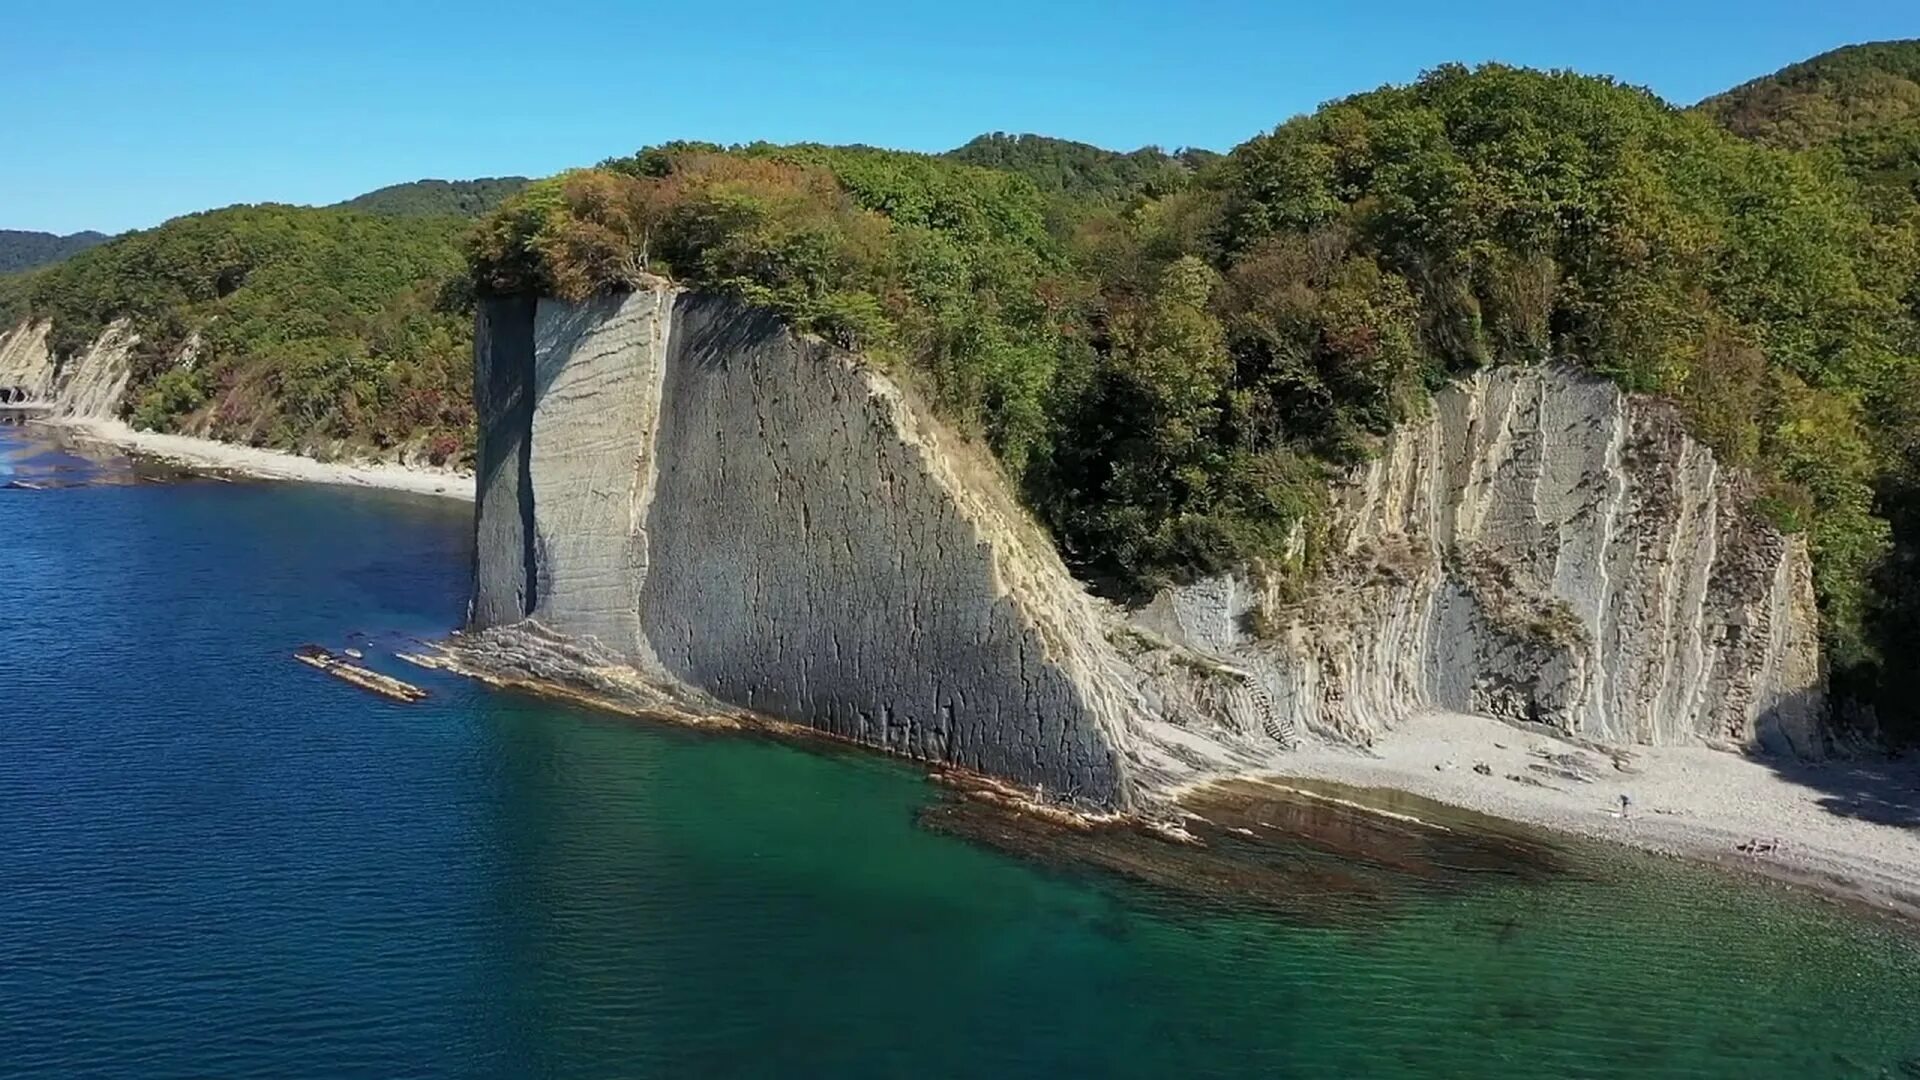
[86,386]
[26,367]
[1542,548]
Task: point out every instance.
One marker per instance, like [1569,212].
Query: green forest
[1063,167]
[1172,353]
[314,327]
[438,198]
[21,250]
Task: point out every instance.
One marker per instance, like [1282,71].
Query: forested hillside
[313,326]
[1858,106]
[437,198]
[346,327]
[1831,98]
[1857,111]
[20,250]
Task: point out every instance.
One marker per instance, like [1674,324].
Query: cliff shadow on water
[1312,853]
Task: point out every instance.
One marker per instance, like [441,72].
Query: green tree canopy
[313,326]
[438,198]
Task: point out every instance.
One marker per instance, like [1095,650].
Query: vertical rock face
[26,368]
[91,384]
[597,370]
[87,386]
[504,567]
[1543,548]
[716,502]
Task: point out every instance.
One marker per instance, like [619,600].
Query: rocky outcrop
[1542,548]
[26,367]
[86,386]
[677,485]
[91,384]
[684,506]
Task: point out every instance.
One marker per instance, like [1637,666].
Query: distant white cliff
[83,387]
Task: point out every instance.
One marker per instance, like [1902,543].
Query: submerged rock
[365,678]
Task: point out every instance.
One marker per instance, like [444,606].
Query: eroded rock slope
[87,386]
[1543,548]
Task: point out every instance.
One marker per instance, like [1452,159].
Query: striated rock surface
[91,384]
[87,386]
[678,485]
[26,368]
[596,401]
[1543,549]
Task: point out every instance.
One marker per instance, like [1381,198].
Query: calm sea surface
[216,862]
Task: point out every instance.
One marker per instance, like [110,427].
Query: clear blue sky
[119,114]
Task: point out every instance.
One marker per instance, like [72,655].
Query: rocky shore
[1848,827]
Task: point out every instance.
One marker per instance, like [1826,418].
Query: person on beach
[1624,801]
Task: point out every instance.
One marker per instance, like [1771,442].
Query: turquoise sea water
[216,862]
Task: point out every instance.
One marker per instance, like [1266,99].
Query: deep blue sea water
[217,862]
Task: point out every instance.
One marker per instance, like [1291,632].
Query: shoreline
[1849,829]
[1688,802]
[256,463]
[1846,828]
